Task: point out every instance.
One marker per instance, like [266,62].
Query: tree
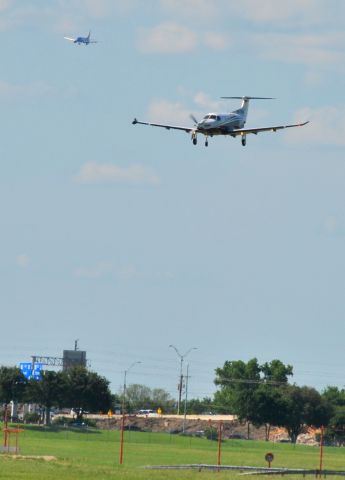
[269,408]
[334,396]
[304,407]
[276,371]
[252,391]
[140,396]
[197,406]
[238,381]
[83,390]
[162,399]
[12,385]
[335,432]
[46,391]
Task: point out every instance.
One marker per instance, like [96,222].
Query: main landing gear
[244,140]
[195,140]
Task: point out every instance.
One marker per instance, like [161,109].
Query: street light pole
[123,408]
[182,357]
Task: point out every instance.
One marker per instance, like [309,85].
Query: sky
[130,238]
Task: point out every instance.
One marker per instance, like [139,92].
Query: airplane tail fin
[245,103]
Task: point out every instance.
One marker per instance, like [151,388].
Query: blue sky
[130,238]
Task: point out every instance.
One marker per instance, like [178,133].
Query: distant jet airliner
[80,40]
[231,124]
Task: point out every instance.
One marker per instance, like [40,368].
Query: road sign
[31,371]
[269,458]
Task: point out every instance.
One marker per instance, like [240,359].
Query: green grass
[95,455]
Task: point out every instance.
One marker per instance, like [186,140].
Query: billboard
[74,358]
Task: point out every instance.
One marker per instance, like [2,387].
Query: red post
[121,440]
[5,425]
[321,450]
[220,429]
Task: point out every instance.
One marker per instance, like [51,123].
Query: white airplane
[231,124]
[80,40]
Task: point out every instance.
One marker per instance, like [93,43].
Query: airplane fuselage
[81,40]
[220,123]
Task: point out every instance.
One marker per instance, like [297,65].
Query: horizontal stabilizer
[251,98]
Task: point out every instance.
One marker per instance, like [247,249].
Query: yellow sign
[159,411]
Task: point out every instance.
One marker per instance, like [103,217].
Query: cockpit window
[213,117]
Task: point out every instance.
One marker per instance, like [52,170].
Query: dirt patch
[196,426]
[176,425]
[47,458]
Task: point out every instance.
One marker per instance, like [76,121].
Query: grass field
[94,454]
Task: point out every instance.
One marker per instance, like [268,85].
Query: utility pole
[180,385]
[123,409]
[185,400]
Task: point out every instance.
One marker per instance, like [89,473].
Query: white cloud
[326,127]
[30,90]
[192,8]
[202,100]
[101,269]
[171,37]
[94,8]
[104,269]
[167,37]
[92,172]
[274,10]
[331,226]
[64,16]
[310,50]
[165,111]
[127,272]
[216,41]
[23,260]
[5,4]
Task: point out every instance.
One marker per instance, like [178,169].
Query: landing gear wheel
[244,141]
[195,141]
[206,143]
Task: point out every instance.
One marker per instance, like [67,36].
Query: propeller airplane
[231,124]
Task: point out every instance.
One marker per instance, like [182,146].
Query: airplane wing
[168,127]
[70,39]
[245,131]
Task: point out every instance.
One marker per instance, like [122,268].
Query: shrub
[31,417]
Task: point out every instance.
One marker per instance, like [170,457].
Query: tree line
[259,394]
[262,395]
[75,388]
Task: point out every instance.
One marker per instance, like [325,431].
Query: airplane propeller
[194,119]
